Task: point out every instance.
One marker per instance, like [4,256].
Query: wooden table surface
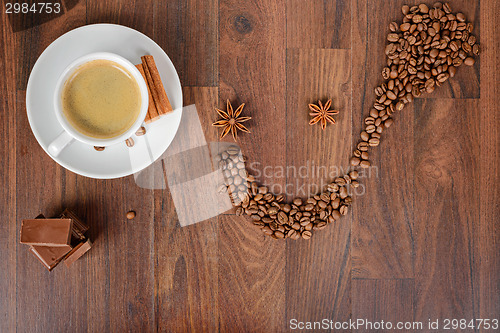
[422,242]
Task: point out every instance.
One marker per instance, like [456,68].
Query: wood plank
[313,75]
[188,32]
[40,190]
[251,278]
[447,180]
[382,240]
[186,278]
[136,14]
[252,49]
[390,301]
[8,225]
[124,251]
[322,24]
[488,231]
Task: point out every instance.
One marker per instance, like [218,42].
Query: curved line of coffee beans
[275,217]
[423,51]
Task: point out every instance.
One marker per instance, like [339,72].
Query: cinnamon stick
[156,86]
[152,114]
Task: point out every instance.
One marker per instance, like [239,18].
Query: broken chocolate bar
[50,256]
[79,227]
[46,232]
[77,252]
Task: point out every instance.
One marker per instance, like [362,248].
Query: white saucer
[118,160]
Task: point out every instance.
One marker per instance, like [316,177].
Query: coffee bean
[343,192]
[475,49]
[222,188]
[335,203]
[272,211]
[332,187]
[325,197]
[279,234]
[374,142]
[306,234]
[343,210]
[364,155]
[364,164]
[393,37]
[363,146]
[239,211]
[447,8]
[370,128]
[354,174]
[141,131]
[336,214]
[355,161]
[99,148]
[129,142]
[469,61]
[386,73]
[405,26]
[267,230]
[282,217]
[263,190]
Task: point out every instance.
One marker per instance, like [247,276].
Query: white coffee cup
[69,134]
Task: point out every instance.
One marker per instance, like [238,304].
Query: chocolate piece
[79,227]
[50,256]
[77,252]
[46,232]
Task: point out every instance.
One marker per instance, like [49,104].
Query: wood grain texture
[322,25]
[251,278]
[422,242]
[382,240]
[447,187]
[389,300]
[136,14]
[252,268]
[187,257]
[313,75]
[39,291]
[488,230]
[188,31]
[8,225]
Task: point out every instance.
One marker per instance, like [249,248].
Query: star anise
[322,114]
[231,121]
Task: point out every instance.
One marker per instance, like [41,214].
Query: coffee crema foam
[101,99]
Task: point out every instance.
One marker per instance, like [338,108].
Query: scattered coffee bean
[129,142]
[141,131]
[99,148]
[130,215]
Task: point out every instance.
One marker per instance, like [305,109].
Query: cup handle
[59,143]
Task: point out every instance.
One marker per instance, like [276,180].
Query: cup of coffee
[100,99]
